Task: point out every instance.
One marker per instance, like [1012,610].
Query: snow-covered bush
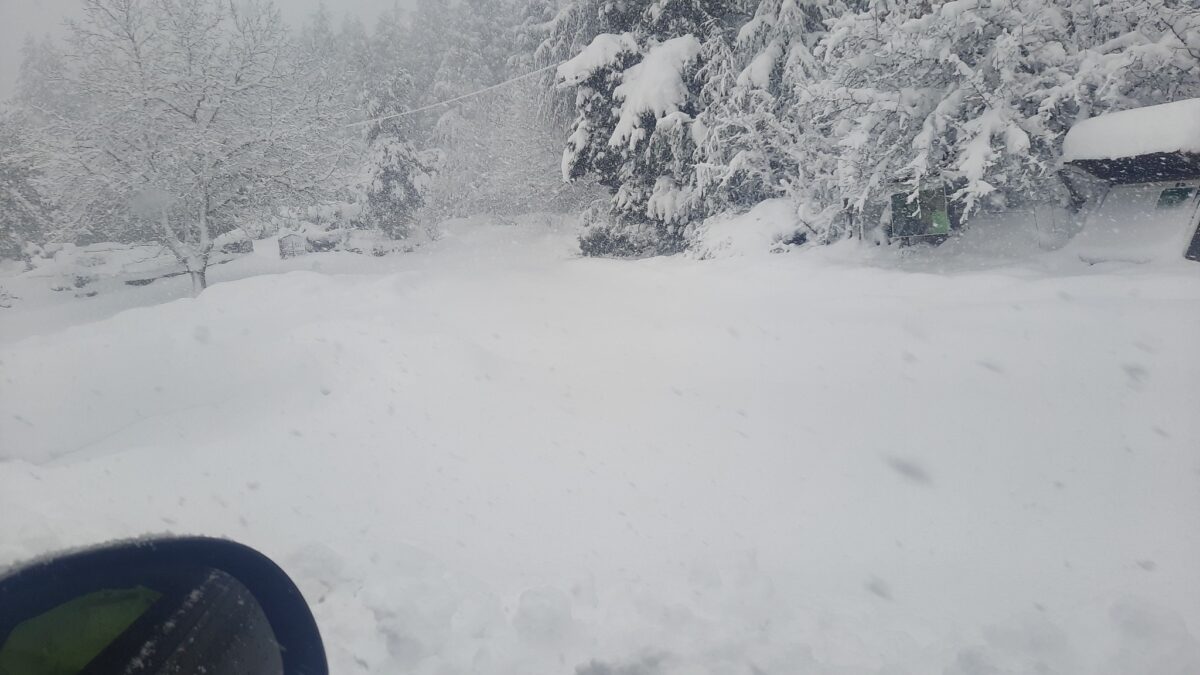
[771,226]
[234,242]
[633,132]
[749,133]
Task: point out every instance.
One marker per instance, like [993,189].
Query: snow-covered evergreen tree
[750,130]
[637,98]
[25,215]
[395,173]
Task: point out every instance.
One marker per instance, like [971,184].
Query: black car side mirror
[165,605]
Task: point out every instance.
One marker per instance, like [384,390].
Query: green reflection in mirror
[65,639]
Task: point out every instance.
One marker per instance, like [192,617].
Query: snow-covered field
[492,456]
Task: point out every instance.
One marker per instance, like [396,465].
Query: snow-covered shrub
[772,226]
[373,242]
[234,242]
[638,94]
[749,135]
[606,238]
[320,241]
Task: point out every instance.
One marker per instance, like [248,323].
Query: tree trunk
[199,279]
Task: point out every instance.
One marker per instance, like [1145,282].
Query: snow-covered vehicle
[1150,160]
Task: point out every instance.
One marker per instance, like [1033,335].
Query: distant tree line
[175,121]
[178,120]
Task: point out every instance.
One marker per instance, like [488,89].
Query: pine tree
[395,175]
[750,131]
[25,215]
[638,93]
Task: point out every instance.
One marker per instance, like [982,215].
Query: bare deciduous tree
[196,114]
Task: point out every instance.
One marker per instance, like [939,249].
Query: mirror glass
[191,620]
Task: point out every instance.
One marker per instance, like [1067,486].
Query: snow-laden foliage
[637,98]
[471,56]
[749,145]
[653,89]
[979,94]
[396,175]
[632,131]
[839,103]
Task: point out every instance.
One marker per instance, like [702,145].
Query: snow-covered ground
[492,456]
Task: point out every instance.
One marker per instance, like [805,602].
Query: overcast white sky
[19,18]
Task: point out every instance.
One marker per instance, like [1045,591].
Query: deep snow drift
[491,456]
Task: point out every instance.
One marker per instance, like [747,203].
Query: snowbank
[761,230]
[1170,127]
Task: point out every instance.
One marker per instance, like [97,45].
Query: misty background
[37,18]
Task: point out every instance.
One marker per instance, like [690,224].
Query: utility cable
[453,100]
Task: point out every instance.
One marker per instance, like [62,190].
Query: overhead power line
[455,99]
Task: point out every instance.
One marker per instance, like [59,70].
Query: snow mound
[492,456]
[761,230]
[1170,127]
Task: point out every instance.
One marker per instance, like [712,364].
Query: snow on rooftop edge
[1169,127]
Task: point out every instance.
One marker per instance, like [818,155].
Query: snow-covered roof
[1167,128]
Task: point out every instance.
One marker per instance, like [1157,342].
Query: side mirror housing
[186,604]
